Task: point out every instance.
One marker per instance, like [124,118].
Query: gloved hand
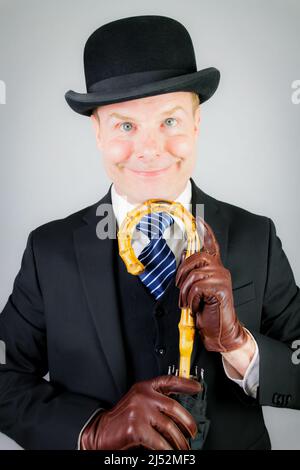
[205,287]
[145,417]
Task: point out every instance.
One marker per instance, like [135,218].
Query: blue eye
[170,122]
[126,126]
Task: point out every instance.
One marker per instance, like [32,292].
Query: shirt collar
[121,206]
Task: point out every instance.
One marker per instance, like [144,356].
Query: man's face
[149,144]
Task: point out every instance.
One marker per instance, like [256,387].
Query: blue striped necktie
[157,257]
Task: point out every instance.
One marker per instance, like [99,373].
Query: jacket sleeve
[279,373]
[34,412]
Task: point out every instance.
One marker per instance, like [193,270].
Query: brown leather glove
[145,417]
[205,287]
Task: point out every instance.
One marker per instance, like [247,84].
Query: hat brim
[204,83]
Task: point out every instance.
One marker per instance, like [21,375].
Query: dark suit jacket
[62,317]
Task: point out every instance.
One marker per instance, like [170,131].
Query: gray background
[249,140]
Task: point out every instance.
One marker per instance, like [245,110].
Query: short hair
[195,100]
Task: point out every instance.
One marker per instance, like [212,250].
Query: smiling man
[107,338]
[149,145]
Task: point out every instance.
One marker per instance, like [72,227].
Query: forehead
[153,104]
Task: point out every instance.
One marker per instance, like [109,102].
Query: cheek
[180,145]
[116,151]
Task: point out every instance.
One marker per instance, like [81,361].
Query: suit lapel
[212,216]
[95,261]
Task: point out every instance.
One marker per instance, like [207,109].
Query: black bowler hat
[140,56]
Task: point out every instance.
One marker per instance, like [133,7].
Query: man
[106,337]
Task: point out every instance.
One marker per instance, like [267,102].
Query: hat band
[131,80]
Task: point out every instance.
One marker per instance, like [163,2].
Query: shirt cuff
[250,382]
[90,418]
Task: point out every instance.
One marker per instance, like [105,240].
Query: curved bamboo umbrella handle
[134,266]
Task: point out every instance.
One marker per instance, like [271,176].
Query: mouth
[150,173]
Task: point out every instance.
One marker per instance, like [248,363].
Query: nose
[149,146]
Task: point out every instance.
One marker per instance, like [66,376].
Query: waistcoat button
[160,350]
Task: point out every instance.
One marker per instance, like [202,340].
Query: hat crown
[138,44]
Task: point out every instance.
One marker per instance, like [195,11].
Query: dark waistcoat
[150,327]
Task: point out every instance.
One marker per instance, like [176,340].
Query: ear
[96,125]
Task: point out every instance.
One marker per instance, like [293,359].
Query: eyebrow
[129,118]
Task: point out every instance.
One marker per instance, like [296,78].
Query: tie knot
[154,224]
